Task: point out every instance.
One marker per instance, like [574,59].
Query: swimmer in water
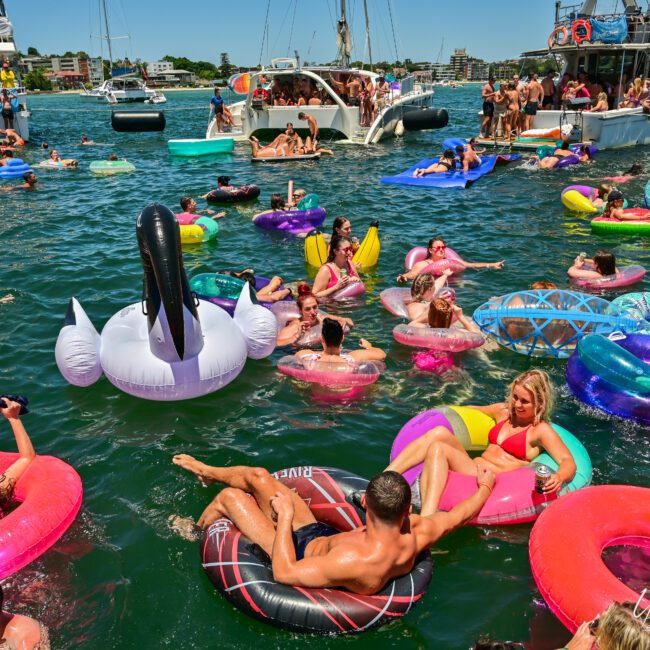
[601,265]
[29,184]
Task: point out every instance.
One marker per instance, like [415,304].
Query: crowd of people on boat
[510,109]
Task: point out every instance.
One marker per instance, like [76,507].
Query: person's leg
[439,459]
[254,480]
[415,452]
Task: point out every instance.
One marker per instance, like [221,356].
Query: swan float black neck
[170,306]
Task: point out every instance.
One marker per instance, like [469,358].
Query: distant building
[66,79]
[173,78]
[477,70]
[442,72]
[503,70]
[86,70]
[458,63]
[155,68]
[96,70]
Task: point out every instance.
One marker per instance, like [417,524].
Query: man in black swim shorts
[487,94]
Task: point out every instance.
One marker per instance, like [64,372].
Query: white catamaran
[337,114]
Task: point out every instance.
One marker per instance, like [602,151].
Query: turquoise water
[120,578]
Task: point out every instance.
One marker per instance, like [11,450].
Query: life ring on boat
[555,33]
[49,494]
[576,25]
[513,499]
[241,571]
[566,546]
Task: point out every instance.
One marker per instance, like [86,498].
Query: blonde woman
[520,435]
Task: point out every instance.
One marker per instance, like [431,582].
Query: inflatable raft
[49,494]
[365,257]
[631,227]
[200,147]
[109,167]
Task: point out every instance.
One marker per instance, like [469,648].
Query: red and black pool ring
[243,193]
[242,572]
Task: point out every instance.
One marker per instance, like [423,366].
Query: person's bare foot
[192,465]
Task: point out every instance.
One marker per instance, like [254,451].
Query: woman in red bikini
[338,271]
[521,433]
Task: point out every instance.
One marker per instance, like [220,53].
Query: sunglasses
[345,250]
[438,248]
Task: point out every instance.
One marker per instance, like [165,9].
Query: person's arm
[483,265]
[559,452]
[441,523]
[583,639]
[344,321]
[493,410]
[335,569]
[579,271]
[24,444]
[321,281]
[619,213]
[368,353]
[415,270]
[291,333]
[467,323]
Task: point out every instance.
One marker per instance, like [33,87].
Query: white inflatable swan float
[171,345]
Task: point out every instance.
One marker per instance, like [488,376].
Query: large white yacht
[120,89]
[9,51]
[612,49]
[335,116]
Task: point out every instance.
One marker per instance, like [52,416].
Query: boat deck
[519,144]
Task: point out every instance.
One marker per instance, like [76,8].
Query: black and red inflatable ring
[581,31]
[241,571]
[243,193]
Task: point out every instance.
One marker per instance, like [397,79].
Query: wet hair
[543,284]
[605,262]
[247,276]
[422,283]
[603,190]
[29,175]
[635,170]
[8,153]
[564,146]
[440,313]
[538,383]
[223,180]
[185,202]
[585,150]
[448,153]
[332,332]
[304,293]
[113,156]
[460,148]
[602,97]
[301,116]
[388,496]
[336,243]
[338,223]
[623,627]
[277,202]
[44,145]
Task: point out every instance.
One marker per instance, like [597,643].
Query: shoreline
[77,91]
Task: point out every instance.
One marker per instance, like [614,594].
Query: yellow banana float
[366,257]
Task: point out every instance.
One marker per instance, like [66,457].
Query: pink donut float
[351,290]
[452,261]
[566,546]
[49,494]
[334,375]
[627,275]
[450,339]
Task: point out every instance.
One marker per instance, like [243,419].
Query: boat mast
[365,10]
[344,38]
[108,37]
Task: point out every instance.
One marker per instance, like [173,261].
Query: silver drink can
[542,474]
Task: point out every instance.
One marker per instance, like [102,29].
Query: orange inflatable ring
[575,26]
[556,32]
[567,542]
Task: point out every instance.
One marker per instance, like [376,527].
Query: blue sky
[200,29]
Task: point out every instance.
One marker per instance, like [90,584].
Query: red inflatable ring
[241,571]
[556,32]
[580,24]
[567,542]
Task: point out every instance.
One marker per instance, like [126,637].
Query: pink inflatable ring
[452,261]
[451,339]
[334,375]
[566,546]
[49,494]
[626,275]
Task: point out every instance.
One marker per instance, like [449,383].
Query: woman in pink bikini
[521,433]
[338,271]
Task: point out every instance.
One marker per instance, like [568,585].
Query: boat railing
[407,85]
[638,27]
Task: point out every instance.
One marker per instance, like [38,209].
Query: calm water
[120,578]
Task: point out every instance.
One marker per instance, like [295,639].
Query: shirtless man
[362,560]
[382,90]
[549,91]
[29,184]
[354,90]
[468,157]
[22,631]
[487,94]
[534,98]
[313,126]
